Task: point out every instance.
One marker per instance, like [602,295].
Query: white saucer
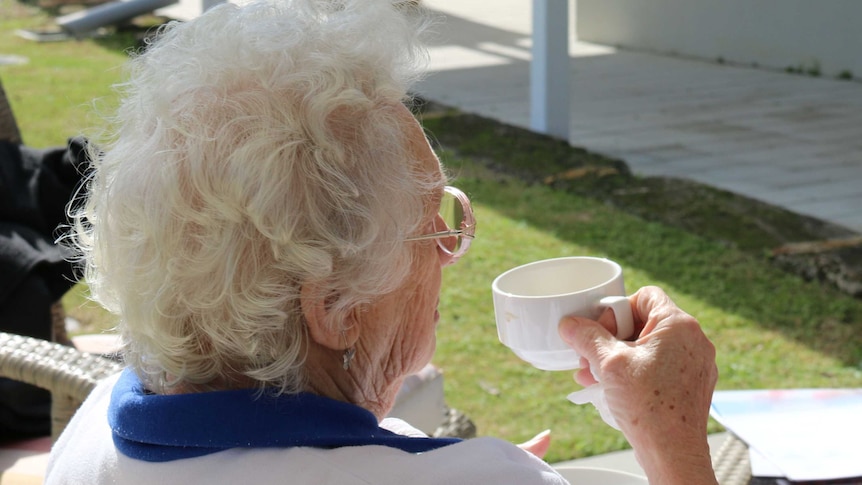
[577,475]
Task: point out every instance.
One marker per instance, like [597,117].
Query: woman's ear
[324,327]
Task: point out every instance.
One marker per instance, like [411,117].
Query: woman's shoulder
[477,460]
[85,448]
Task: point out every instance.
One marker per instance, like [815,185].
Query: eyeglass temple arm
[438,235]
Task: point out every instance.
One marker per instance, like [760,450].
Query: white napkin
[595,394]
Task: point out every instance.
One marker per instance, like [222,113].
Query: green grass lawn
[771,329]
[58,92]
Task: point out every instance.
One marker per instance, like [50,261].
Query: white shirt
[85,454]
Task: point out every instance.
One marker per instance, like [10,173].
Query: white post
[208,4]
[549,69]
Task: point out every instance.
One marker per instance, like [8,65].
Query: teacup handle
[622,308]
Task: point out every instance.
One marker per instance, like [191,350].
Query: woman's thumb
[585,336]
[539,444]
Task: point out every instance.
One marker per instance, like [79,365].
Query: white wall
[186,10]
[771,33]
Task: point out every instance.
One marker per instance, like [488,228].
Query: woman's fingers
[539,444]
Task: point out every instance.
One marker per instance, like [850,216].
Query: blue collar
[157,428]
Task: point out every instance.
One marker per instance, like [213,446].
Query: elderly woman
[267,223]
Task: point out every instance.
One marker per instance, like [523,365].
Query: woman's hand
[538,445]
[658,387]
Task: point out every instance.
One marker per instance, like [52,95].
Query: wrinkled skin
[658,386]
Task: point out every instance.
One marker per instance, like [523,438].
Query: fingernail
[540,436]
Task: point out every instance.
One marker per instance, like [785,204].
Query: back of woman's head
[256,149]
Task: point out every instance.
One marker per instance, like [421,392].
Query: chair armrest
[66,372]
[731,463]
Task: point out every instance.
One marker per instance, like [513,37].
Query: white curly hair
[256,149]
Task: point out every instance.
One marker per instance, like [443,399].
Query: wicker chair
[731,463]
[68,373]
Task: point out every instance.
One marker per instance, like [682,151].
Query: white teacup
[530,300]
